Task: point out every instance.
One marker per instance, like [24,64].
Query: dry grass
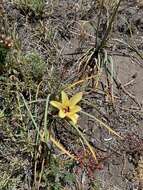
[61,46]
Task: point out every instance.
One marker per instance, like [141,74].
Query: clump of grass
[29,68]
[57,175]
[36,65]
[36,6]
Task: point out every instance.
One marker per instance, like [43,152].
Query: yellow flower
[68,107]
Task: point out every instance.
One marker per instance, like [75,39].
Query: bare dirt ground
[62,35]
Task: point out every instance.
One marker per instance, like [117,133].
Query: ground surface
[58,37]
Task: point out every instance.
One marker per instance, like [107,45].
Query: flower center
[66,109]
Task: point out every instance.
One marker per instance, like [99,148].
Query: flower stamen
[66,109]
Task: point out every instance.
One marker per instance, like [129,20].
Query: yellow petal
[75,109]
[61,114]
[56,104]
[73,117]
[65,99]
[75,99]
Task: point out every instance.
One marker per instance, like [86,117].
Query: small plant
[58,175]
[36,6]
[36,65]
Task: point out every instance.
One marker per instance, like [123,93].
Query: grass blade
[46,132]
[103,124]
[60,146]
[86,142]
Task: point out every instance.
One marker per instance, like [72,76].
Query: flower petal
[73,117]
[61,114]
[75,99]
[75,109]
[65,99]
[56,104]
